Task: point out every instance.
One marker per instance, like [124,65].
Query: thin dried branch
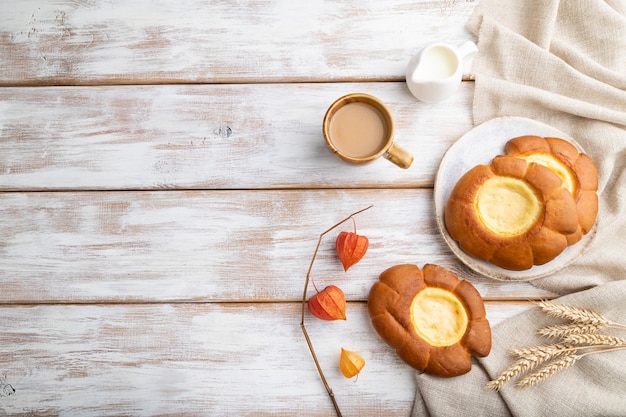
[303,327]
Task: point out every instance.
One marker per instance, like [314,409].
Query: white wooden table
[163,184]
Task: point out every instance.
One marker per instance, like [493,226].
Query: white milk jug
[434,73]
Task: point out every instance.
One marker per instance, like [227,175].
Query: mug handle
[399,156]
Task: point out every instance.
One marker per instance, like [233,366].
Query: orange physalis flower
[329,304]
[351,247]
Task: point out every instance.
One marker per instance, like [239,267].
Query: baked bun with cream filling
[511,213]
[434,321]
[576,170]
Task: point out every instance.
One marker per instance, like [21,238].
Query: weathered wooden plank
[208,136]
[196,360]
[212,245]
[143,42]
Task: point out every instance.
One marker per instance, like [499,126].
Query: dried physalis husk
[328,304]
[350,363]
[351,248]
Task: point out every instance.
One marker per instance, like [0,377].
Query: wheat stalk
[528,358]
[517,368]
[578,315]
[563,330]
[543,350]
[595,340]
[548,370]
[580,334]
[575,314]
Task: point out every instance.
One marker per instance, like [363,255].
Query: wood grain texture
[145,42]
[212,245]
[197,360]
[210,136]
[164,182]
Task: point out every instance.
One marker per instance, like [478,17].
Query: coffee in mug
[359,128]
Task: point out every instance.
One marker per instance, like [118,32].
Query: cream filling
[507,206]
[438,316]
[555,165]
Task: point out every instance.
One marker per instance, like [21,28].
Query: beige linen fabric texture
[562,63]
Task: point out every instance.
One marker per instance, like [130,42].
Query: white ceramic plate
[479,146]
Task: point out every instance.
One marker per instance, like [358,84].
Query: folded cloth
[562,63]
[594,386]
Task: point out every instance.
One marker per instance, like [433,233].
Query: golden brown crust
[584,175]
[545,238]
[523,144]
[389,307]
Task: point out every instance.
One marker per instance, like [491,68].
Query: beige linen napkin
[562,63]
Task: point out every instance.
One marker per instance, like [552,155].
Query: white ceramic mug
[434,74]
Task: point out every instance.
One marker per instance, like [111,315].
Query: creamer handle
[467,51]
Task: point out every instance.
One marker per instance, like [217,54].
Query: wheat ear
[580,334]
[595,340]
[540,350]
[564,330]
[577,315]
[528,358]
[517,368]
[550,369]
